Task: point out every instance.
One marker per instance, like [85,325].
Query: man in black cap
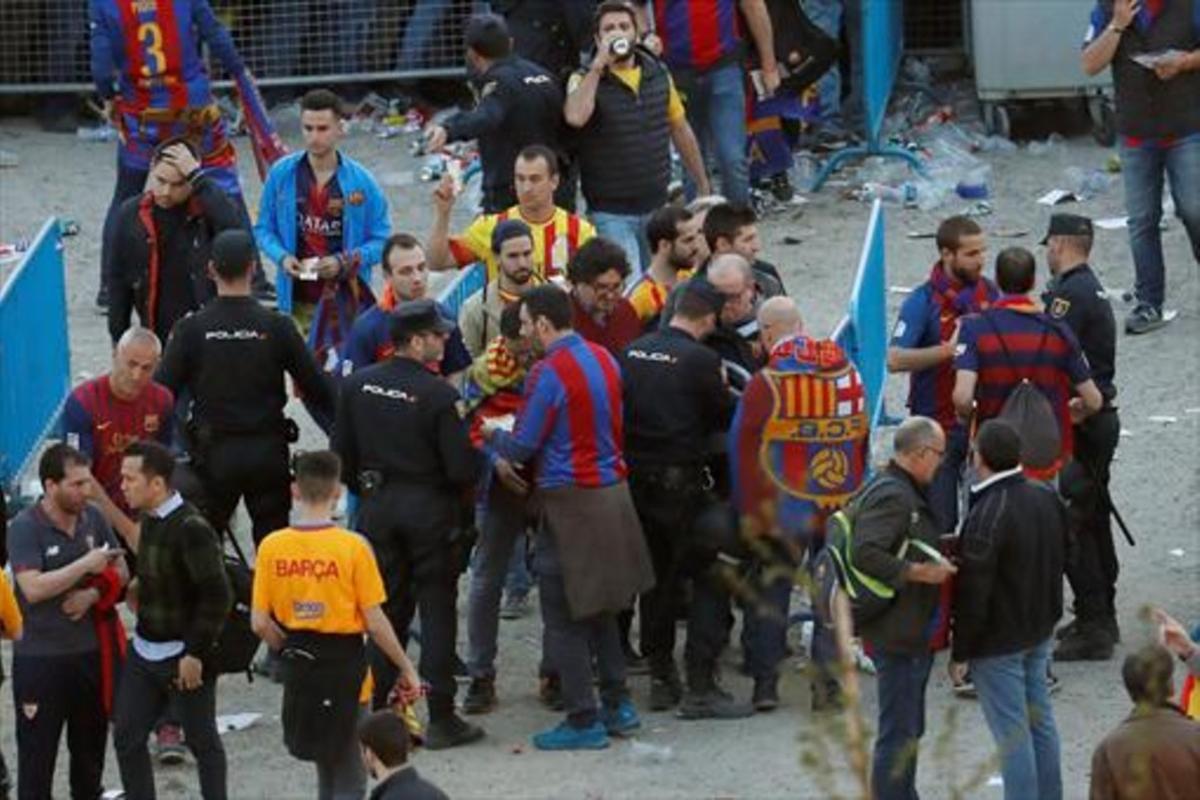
[518,103]
[1075,296]
[512,244]
[231,356]
[407,454]
[675,400]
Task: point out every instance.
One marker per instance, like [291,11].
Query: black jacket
[674,399]
[233,355]
[520,104]
[1078,298]
[1148,107]
[184,237]
[1008,592]
[888,516]
[407,785]
[401,420]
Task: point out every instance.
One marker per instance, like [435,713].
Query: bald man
[798,450]
[104,415]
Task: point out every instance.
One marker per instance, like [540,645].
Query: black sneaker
[1143,319]
[102,300]
[461,673]
[665,693]
[965,688]
[766,694]
[1053,684]
[1110,626]
[636,663]
[712,704]
[481,696]
[1066,630]
[1089,642]
[451,731]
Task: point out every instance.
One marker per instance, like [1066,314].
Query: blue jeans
[944,491]
[716,110]
[1016,704]
[827,15]
[765,631]
[502,537]
[1143,170]
[629,231]
[419,30]
[900,681]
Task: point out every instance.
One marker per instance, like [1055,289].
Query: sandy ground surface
[785,753]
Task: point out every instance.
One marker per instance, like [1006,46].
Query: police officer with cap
[231,357]
[675,399]
[1075,296]
[518,103]
[407,454]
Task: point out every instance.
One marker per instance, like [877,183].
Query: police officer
[675,399]
[232,357]
[1075,296]
[519,104]
[407,453]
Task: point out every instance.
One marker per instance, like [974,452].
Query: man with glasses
[889,512]
[600,312]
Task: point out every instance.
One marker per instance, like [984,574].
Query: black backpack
[237,643]
[1030,413]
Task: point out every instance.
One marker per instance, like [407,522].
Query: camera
[620,47]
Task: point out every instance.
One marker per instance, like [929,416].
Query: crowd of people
[630,411]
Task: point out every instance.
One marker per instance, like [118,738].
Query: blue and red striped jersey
[101,425]
[1042,349]
[697,34]
[153,49]
[571,423]
[320,211]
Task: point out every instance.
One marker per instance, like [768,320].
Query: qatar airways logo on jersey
[390,394]
[317,568]
[661,358]
[321,226]
[240,335]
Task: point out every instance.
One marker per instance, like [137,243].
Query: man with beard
[674,237]
[924,341]
[479,320]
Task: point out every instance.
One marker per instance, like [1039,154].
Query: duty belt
[674,477]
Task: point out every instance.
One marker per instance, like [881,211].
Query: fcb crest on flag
[813,445]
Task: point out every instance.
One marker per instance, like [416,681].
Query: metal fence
[863,332]
[35,368]
[936,26]
[44,44]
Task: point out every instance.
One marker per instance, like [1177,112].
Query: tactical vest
[1147,107]
[625,149]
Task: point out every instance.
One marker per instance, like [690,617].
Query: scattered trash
[99,133]
[904,194]
[113,794]
[1005,233]
[1053,142]
[981,209]
[1085,183]
[1056,197]
[1112,223]
[1126,434]
[900,289]
[402,178]
[517,749]
[1191,411]
[69,227]
[646,753]
[995,780]
[227,723]
[1170,315]
[804,171]
[789,239]
[996,144]
[1177,552]
[1113,164]
[9,159]
[1163,419]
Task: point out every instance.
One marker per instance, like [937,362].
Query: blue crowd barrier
[863,332]
[35,357]
[466,283]
[881,51]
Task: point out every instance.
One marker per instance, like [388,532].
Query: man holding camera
[628,113]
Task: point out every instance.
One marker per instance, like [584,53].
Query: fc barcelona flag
[265,141]
[799,438]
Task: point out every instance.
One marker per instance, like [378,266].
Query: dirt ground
[786,753]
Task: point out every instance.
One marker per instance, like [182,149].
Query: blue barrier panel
[881,51]
[35,361]
[465,284]
[862,333]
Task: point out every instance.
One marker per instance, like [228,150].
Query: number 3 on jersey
[150,36]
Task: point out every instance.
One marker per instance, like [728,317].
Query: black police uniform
[405,449]
[520,104]
[1077,298]
[231,358]
[675,399]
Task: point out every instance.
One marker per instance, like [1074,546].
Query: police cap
[418,316]
[1068,225]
